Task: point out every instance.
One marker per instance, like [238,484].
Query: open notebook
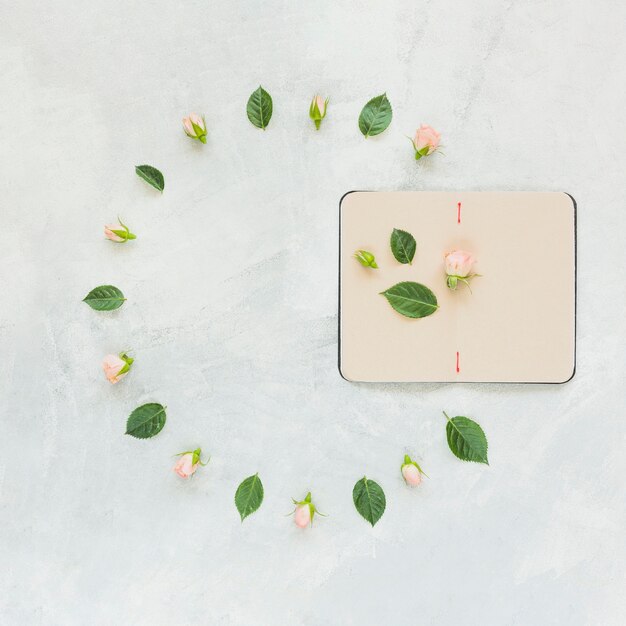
[517,324]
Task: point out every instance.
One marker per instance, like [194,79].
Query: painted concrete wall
[232,315]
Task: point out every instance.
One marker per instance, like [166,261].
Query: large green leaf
[105,298]
[260,108]
[249,496]
[411,299]
[369,499]
[375,116]
[466,439]
[403,246]
[151,175]
[146,421]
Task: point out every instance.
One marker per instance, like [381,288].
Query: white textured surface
[232,315]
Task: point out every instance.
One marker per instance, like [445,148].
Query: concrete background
[232,315]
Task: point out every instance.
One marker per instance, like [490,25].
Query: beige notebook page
[517,325]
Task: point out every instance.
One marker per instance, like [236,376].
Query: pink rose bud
[188,462]
[411,475]
[458,264]
[317,110]
[304,512]
[195,127]
[426,141]
[116,366]
[185,467]
[118,232]
[411,472]
[302,515]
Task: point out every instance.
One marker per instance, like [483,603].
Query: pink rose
[109,232]
[304,512]
[185,467]
[459,264]
[411,472]
[302,515]
[411,475]
[321,104]
[426,141]
[118,232]
[188,462]
[195,127]
[116,366]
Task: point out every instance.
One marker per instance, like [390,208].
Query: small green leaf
[411,299]
[105,298]
[146,421]
[375,116]
[260,107]
[249,496]
[466,439]
[369,499]
[403,246]
[151,175]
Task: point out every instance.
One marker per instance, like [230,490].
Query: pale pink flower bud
[188,462]
[411,475]
[195,127]
[116,367]
[118,232]
[317,110]
[109,234]
[197,120]
[321,105]
[185,466]
[426,141]
[459,263]
[411,472]
[304,512]
[188,126]
[302,515]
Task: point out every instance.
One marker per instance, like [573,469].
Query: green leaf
[403,246]
[151,175]
[249,496]
[411,299]
[260,108]
[369,499]
[105,298]
[146,421]
[466,439]
[375,116]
